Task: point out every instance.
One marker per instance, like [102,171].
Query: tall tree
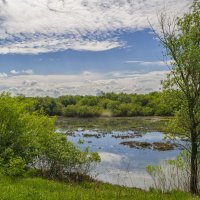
[181,40]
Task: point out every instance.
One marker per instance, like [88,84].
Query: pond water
[121,164]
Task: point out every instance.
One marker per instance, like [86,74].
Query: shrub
[15,167]
[28,140]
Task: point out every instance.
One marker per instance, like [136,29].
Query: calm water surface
[121,164]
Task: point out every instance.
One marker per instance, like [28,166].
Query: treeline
[105,105]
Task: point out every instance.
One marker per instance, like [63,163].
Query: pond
[121,164]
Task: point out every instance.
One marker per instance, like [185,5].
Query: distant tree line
[105,105]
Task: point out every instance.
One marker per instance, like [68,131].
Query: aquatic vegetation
[159,146]
[108,125]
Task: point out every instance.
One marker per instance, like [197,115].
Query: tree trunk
[194,170]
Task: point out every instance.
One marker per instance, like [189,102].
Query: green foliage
[28,140]
[181,40]
[109,104]
[15,167]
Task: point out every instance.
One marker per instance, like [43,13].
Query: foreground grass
[40,189]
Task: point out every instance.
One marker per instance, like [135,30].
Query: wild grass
[41,189]
[139,124]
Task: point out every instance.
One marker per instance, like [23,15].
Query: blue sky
[54,47]
[139,46]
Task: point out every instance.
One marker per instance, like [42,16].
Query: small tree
[181,40]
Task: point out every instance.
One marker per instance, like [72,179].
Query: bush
[15,167]
[28,140]
[117,105]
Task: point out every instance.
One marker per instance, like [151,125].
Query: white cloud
[86,83]
[23,72]
[149,63]
[3,75]
[14,72]
[146,63]
[29,83]
[39,26]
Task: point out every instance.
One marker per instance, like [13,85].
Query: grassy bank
[40,189]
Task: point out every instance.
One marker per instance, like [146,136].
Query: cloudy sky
[56,47]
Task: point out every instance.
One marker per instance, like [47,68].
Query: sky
[84,47]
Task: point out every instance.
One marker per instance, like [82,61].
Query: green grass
[40,189]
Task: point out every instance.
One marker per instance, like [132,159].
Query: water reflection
[120,164]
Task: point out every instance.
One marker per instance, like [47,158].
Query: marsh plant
[173,174]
